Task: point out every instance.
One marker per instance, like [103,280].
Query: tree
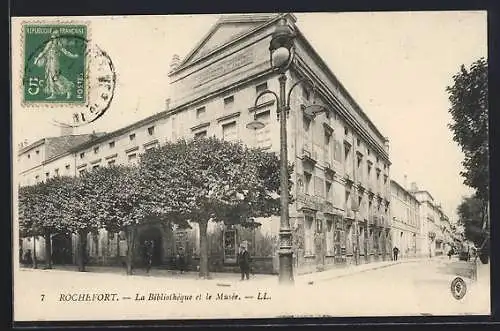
[29,215]
[471,215]
[50,218]
[123,204]
[469,109]
[210,179]
[82,209]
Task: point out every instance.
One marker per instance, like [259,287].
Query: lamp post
[282,53]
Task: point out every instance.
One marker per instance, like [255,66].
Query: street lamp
[282,53]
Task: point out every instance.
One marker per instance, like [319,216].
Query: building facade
[436,226]
[406,228]
[341,161]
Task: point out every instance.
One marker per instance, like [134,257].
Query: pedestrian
[243,261]
[148,254]
[395,251]
[450,253]
[181,260]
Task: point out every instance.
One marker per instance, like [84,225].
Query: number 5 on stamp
[55,63]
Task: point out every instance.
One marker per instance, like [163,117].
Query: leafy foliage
[471,213]
[469,109]
[29,204]
[210,179]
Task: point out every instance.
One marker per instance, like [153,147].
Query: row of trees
[469,110]
[188,180]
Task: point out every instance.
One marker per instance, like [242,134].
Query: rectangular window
[132,137]
[230,131]
[200,112]
[329,191]
[151,130]
[96,149]
[200,134]
[132,158]
[260,88]
[263,136]
[330,229]
[37,152]
[347,149]
[229,102]
[82,155]
[29,156]
[307,183]
[37,178]
[319,187]
[309,228]
[337,151]
[47,174]
[152,146]
[56,172]
[67,166]
[112,144]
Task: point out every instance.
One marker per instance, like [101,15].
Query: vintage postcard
[250,166]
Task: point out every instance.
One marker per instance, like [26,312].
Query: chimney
[414,187]
[167,104]
[66,130]
[175,62]
[405,182]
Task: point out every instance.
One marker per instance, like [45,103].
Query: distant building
[405,223]
[436,227]
[341,160]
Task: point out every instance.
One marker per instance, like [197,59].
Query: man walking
[244,262]
[395,251]
[148,248]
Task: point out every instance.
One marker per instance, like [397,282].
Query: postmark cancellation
[63,68]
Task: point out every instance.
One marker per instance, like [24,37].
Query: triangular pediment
[227,29]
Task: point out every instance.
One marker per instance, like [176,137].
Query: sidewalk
[352,269]
[229,279]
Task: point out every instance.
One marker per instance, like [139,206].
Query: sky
[396,65]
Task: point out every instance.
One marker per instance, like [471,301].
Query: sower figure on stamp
[55,82]
[395,251]
[243,261]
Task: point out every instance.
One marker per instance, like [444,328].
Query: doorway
[62,249]
[152,235]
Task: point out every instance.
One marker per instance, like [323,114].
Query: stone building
[341,160]
[436,226]
[405,213]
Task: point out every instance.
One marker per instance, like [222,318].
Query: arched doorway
[62,249]
[152,234]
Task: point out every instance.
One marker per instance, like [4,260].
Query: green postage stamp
[55,68]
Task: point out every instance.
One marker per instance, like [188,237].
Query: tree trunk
[82,250]
[35,263]
[203,249]
[48,251]
[131,234]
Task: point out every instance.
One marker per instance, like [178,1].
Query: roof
[60,144]
[120,131]
[241,25]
